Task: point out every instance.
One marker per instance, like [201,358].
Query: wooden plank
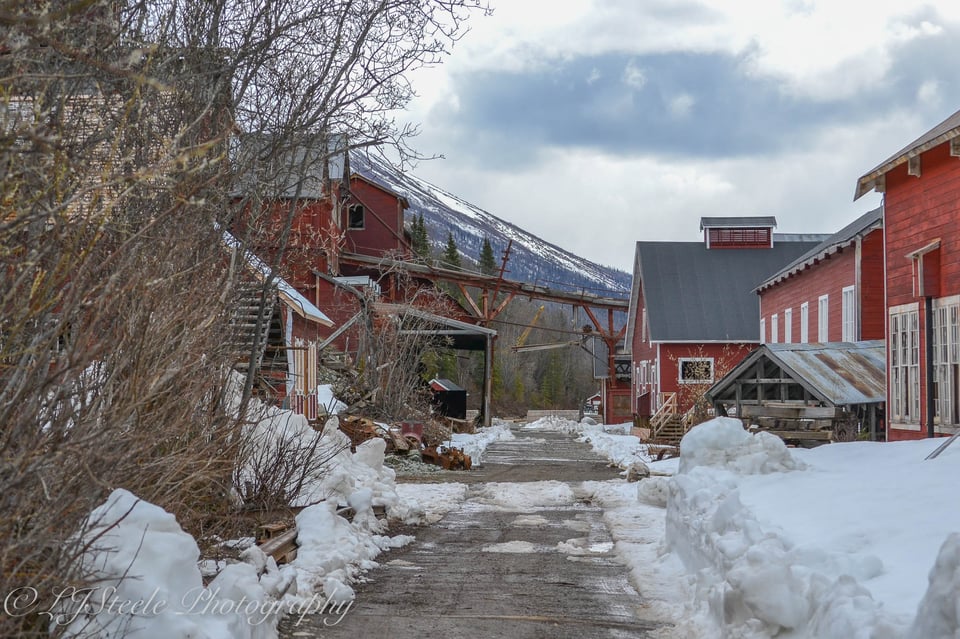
[789,412]
[824,435]
[282,548]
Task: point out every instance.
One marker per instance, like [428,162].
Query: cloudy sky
[597,123]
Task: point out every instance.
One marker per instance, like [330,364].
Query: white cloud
[680,106]
[633,75]
[594,75]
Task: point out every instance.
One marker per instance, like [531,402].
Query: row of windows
[904,336]
[848,326]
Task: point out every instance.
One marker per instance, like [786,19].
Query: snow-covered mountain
[531,258]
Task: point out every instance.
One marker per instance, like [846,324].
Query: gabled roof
[943,132]
[841,239]
[737,222]
[693,294]
[836,373]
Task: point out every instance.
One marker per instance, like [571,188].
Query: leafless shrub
[280,460]
[117,297]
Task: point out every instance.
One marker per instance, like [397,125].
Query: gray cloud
[675,104]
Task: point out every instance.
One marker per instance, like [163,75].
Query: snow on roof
[287,293]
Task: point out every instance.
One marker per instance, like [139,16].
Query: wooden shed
[833,391]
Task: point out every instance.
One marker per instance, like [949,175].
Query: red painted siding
[738,238]
[919,210]
[642,392]
[873,316]
[383,220]
[828,277]
[725,357]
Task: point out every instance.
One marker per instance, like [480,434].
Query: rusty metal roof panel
[842,372]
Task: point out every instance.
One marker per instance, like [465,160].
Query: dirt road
[495,569]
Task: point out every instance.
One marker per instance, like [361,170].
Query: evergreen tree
[488,263]
[451,256]
[419,237]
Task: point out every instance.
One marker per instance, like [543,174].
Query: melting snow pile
[831,543]
[148,582]
[474,444]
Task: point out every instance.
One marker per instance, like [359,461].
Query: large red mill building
[694,312]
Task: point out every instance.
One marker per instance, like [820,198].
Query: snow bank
[474,444]
[327,400]
[624,450]
[754,580]
[723,443]
[145,582]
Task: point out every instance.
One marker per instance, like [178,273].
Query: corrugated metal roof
[943,132]
[841,372]
[838,373]
[737,222]
[841,238]
[695,294]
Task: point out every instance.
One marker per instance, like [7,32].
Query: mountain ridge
[531,258]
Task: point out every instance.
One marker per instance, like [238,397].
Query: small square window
[356,217]
[696,370]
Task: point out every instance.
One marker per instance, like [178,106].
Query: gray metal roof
[838,373]
[693,294]
[943,132]
[737,222]
[840,239]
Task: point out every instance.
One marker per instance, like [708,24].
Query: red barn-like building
[921,202]
[694,312]
[832,293]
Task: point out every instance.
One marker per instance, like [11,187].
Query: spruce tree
[451,256]
[488,263]
[419,237]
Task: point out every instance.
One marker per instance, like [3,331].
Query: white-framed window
[946,360]
[804,322]
[763,331]
[823,319]
[849,322]
[774,328]
[787,325]
[904,400]
[695,370]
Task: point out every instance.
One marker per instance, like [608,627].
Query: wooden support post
[487,381]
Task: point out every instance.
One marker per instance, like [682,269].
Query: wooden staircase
[668,425]
[246,308]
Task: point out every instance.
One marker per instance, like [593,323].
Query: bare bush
[117,298]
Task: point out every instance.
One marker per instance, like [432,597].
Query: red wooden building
[921,202]
[288,348]
[694,313]
[832,293]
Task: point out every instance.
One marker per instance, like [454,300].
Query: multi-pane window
[774,328]
[696,370]
[763,331]
[849,319]
[823,319]
[787,326]
[804,322]
[946,360]
[904,397]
